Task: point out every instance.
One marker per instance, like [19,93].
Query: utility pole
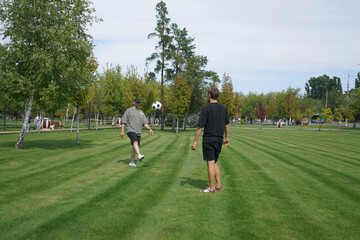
[347,93]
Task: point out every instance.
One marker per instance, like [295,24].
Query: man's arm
[226,139]
[197,134]
[122,130]
[148,127]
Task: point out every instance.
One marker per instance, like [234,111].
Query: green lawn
[278,184]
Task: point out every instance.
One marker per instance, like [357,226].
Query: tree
[180,49]
[196,74]
[309,112]
[357,81]
[237,100]
[260,112]
[320,87]
[226,96]
[162,32]
[115,91]
[355,105]
[179,97]
[338,116]
[47,51]
[248,105]
[271,106]
[327,115]
[291,104]
[97,98]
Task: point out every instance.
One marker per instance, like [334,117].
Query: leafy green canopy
[47,51]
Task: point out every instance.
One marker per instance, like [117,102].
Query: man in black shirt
[215,120]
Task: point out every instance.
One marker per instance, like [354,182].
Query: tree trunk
[162,87]
[26,119]
[88,121]
[72,121]
[41,121]
[186,115]
[96,119]
[173,123]
[177,125]
[67,115]
[77,125]
[5,118]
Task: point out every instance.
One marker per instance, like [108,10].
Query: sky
[264,45]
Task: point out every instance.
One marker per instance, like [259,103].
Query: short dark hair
[214,92]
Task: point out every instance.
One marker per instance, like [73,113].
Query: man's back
[213,118]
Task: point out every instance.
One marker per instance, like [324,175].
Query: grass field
[278,184]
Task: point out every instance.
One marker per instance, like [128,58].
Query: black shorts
[212,148]
[133,137]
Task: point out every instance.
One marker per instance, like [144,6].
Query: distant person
[29,123]
[37,121]
[215,120]
[134,119]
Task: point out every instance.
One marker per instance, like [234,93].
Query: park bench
[55,124]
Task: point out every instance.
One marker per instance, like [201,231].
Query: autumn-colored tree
[226,96]
[327,115]
[260,112]
[309,112]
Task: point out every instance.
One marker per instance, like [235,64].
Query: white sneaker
[140,157]
[132,164]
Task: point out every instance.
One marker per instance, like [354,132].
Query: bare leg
[132,155]
[211,173]
[136,148]
[217,175]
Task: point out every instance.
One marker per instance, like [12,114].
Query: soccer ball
[156,105]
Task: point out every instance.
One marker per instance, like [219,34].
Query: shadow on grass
[124,161]
[50,144]
[197,183]
[127,161]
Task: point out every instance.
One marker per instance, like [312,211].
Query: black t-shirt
[213,118]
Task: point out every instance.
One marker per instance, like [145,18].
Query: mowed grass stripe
[335,162]
[56,161]
[125,201]
[53,176]
[328,146]
[185,212]
[260,202]
[312,169]
[174,207]
[329,140]
[302,157]
[321,152]
[32,208]
[315,201]
[56,157]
